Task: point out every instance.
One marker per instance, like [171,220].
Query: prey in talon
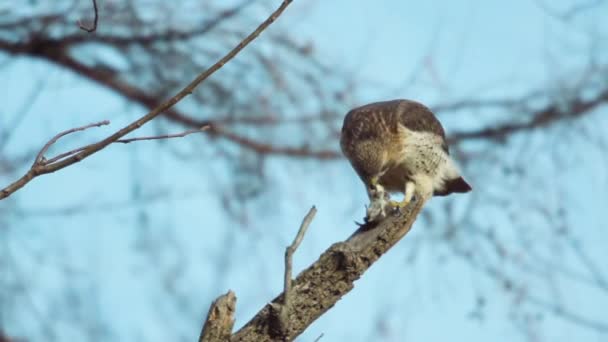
[399,146]
[378,200]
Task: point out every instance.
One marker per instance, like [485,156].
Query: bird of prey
[399,146]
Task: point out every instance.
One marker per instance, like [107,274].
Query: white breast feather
[429,164]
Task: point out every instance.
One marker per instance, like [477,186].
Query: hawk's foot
[399,204]
[408,194]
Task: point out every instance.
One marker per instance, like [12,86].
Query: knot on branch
[277,327]
[347,260]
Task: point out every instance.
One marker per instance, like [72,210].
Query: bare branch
[94,148]
[220,319]
[91,29]
[40,157]
[40,164]
[66,154]
[287,293]
[164,136]
[293,247]
[59,50]
[321,285]
[126,141]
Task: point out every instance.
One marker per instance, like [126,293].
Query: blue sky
[122,261]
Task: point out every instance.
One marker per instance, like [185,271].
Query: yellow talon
[373,181]
[399,204]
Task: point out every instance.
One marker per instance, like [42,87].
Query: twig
[126,141]
[40,156]
[292,248]
[66,154]
[91,29]
[283,319]
[165,136]
[40,165]
[319,338]
[220,319]
[163,107]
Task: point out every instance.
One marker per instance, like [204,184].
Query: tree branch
[283,308]
[126,141]
[220,319]
[40,156]
[41,163]
[94,148]
[164,136]
[321,285]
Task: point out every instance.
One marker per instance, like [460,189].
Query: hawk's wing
[413,115]
[361,123]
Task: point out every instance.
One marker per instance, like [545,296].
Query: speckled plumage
[399,146]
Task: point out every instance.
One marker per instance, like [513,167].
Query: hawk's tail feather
[458,185]
[454,185]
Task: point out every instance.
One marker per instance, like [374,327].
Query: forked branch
[41,163]
[319,287]
[166,105]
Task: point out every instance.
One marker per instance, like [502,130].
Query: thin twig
[66,154]
[165,136]
[126,141]
[292,248]
[91,29]
[40,157]
[287,293]
[163,107]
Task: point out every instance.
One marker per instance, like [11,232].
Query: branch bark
[325,282]
[220,319]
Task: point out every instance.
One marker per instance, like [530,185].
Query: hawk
[399,146]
